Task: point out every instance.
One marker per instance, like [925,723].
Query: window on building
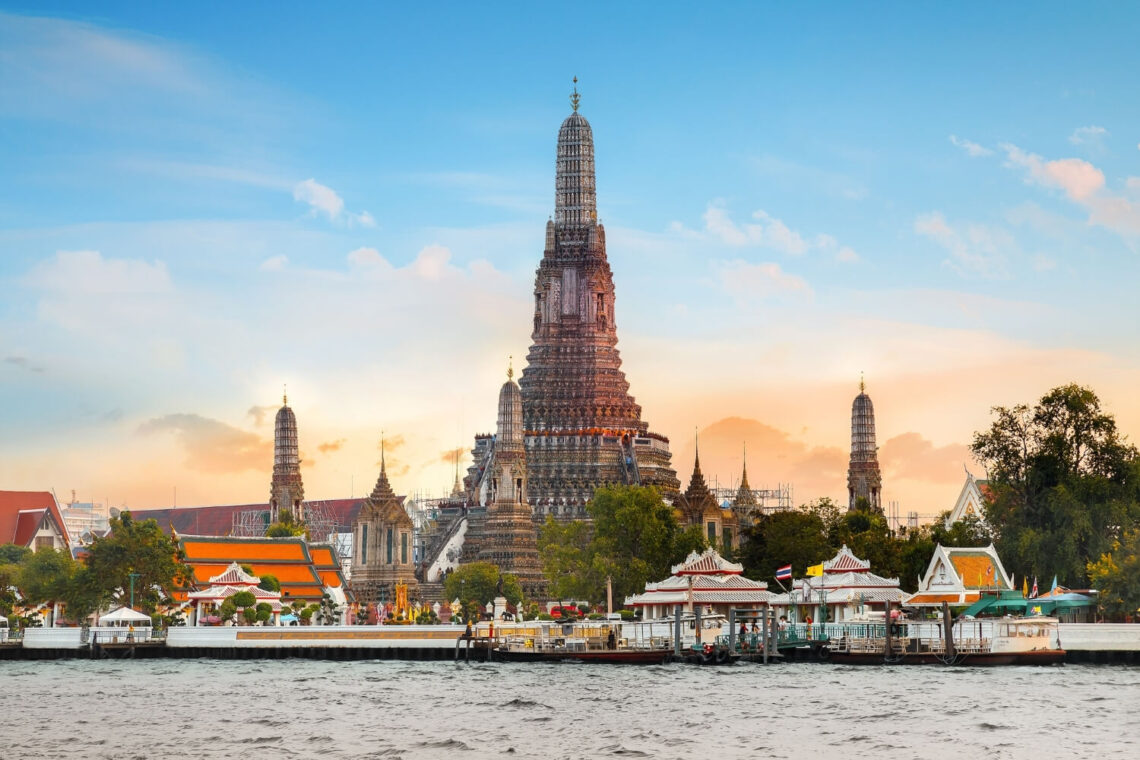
[711,531]
[44,542]
[391,538]
[364,543]
[403,548]
[726,537]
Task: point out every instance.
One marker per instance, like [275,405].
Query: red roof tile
[218,521]
[13,526]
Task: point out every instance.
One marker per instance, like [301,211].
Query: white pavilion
[705,580]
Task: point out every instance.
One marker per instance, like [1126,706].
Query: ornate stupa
[286,491]
[583,429]
[864,481]
[510,539]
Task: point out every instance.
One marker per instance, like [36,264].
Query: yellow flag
[1025,586]
[815,570]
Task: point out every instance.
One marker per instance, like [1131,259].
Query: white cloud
[320,198]
[1078,178]
[973,248]
[1091,135]
[765,231]
[972,149]
[274,263]
[88,273]
[1084,184]
[847,255]
[757,282]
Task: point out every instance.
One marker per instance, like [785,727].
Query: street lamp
[133,576]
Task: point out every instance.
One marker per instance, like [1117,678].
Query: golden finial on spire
[381,451]
[285,395]
[862,384]
[575,98]
[511,367]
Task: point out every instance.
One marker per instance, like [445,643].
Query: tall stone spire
[286,491]
[510,539]
[583,427]
[864,480]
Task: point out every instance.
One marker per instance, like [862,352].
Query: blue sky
[203,203]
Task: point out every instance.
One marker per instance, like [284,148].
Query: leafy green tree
[54,577]
[1065,485]
[477,583]
[286,525]
[136,547]
[637,538]
[1116,576]
[566,560]
[11,554]
[969,531]
[269,583]
[795,536]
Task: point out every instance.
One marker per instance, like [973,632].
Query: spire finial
[575,98]
[285,395]
[511,367]
[862,384]
[382,468]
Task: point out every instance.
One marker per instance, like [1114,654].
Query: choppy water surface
[301,708]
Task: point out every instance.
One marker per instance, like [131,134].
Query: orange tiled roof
[243,551]
[303,571]
[976,570]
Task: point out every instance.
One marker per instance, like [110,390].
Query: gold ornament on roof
[510,367]
[575,98]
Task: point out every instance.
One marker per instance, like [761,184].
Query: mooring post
[887,633]
[697,624]
[677,630]
[732,631]
[948,630]
[764,632]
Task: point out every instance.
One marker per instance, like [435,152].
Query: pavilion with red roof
[705,580]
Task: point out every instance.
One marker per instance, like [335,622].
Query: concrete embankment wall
[1101,642]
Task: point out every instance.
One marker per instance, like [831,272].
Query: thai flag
[784,573]
[1033,594]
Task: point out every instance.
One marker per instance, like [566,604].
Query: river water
[386,709]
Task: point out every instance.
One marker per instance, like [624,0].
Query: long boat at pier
[992,641]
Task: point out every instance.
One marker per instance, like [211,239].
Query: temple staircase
[629,463]
[430,593]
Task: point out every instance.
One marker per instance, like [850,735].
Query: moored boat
[978,642]
[607,641]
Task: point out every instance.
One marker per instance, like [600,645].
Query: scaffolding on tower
[250,523]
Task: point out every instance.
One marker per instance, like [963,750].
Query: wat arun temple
[582,428]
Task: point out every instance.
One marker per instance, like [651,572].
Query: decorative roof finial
[511,367]
[382,468]
[575,97]
[285,395]
[862,385]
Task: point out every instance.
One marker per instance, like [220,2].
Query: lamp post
[133,576]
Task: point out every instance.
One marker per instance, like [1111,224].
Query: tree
[286,525]
[1116,576]
[54,577]
[136,547]
[566,560]
[637,538]
[328,611]
[1064,484]
[477,583]
[269,583]
[12,554]
[796,537]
